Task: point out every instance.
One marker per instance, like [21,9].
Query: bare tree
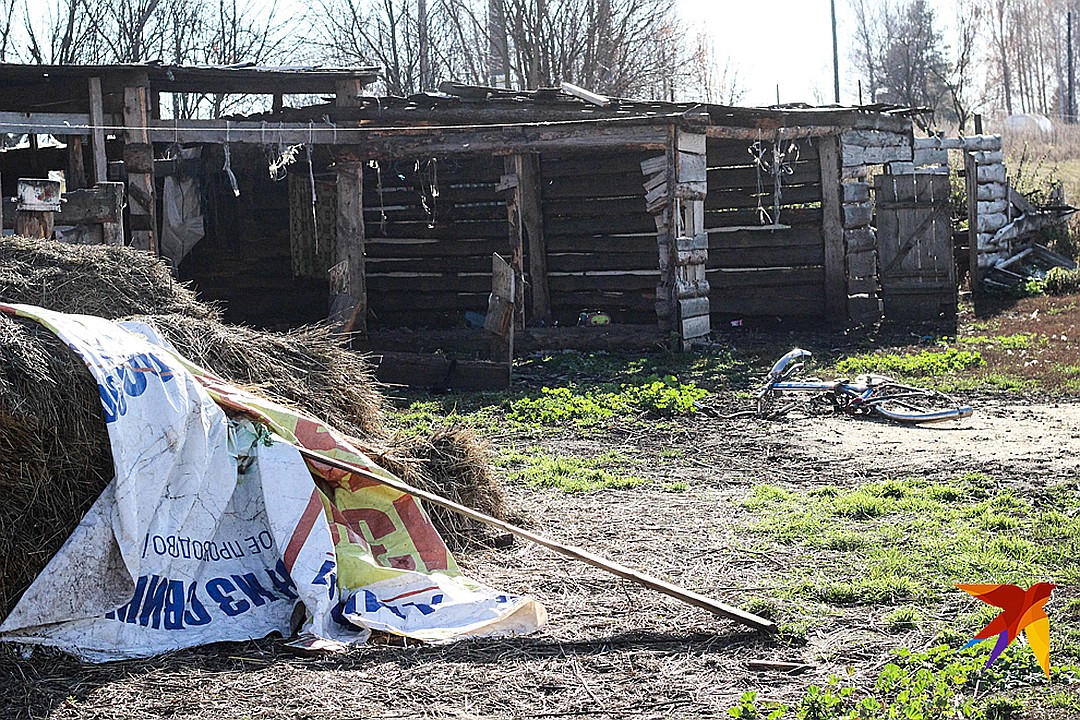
[60,35]
[873,22]
[7,21]
[617,47]
[705,78]
[385,32]
[959,76]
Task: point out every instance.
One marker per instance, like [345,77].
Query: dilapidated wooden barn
[384,214]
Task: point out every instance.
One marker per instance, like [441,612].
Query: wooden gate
[915,254]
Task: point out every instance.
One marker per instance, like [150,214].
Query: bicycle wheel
[906,404]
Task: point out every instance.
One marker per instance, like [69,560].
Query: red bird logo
[1021,610]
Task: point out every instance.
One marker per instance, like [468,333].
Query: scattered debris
[791,668]
[1031,260]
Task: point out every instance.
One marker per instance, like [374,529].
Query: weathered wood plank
[348,284]
[433,248]
[748,197]
[583,262]
[738,152]
[616,281]
[599,225]
[743,218]
[99,166]
[765,257]
[799,236]
[140,170]
[564,168]
[600,244]
[833,229]
[758,279]
[594,207]
[460,230]
[749,176]
[448,283]
[532,216]
[618,185]
[421,142]
[810,304]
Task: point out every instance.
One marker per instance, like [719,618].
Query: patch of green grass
[712,370]
[938,683]
[1060,281]
[1019,341]
[911,539]
[570,474]
[905,617]
[927,363]
[1062,699]
[656,397]
[675,486]
[1004,382]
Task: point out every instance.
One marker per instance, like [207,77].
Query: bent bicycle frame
[866,394]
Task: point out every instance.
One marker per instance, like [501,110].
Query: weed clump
[657,397]
[1061,281]
[571,474]
[928,363]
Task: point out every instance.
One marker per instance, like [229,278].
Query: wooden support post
[348,284]
[348,92]
[516,250]
[75,174]
[833,229]
[971,184]
[689,242]
[532,219]
[97,133]
[38,199]
[139,163]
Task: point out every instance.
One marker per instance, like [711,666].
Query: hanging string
[782,166]
[314,197]
[757,152]
[379,190]
[429,190]
[227,168]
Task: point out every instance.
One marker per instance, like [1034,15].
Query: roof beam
[421,141]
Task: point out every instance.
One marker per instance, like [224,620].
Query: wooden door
[915,254]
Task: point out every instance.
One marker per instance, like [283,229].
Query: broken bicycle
[864,395]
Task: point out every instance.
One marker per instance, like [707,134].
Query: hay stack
[55,457]
[112,282]
[306,368]
[54,450]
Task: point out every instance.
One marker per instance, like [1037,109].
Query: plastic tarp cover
[215,528]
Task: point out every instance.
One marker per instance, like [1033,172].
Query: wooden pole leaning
[653,583]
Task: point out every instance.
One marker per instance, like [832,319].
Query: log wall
[601,240]
[756,265]
[432,227]
[245,260]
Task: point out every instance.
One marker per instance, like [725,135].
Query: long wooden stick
[649,581]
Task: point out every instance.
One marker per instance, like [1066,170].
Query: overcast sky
[784,42]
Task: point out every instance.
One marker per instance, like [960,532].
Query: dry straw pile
[54,450]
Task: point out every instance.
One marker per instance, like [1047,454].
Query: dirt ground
[610,649]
